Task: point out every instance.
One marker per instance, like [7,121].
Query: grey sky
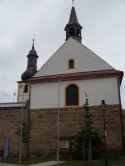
[103,32]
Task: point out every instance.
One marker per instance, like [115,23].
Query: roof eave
[77,76]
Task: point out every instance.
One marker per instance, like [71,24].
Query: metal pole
[58,123]
[105,142]
[21,122]
[28,119]
[14,94]
[83,150]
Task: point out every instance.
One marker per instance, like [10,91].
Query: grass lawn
[112,161]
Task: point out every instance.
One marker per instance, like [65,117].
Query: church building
[54,95]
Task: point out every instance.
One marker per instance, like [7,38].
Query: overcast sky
[103,32]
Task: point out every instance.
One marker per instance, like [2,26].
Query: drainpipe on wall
[28,119]
[58,123]
[121,118]
[21,123]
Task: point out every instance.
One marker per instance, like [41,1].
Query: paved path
[48,163]
[5,164]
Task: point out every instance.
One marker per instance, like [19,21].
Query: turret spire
[73,28]
[32,63]
[33,43]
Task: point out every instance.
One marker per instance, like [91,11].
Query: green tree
[25,132]
[88,123]
[88,134]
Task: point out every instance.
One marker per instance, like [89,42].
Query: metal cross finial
[73,2]
[33,38]
[33,41]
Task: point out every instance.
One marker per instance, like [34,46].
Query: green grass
[112,161]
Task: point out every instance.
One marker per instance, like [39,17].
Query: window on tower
[72,95]
[78,33]
[72,32]
[26,88]
[71,64]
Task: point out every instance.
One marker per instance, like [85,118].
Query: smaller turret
[31,64]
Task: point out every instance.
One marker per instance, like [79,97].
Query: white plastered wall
[45,95]
[84,59]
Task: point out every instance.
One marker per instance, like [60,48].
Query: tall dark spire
[73,28]
[31,64]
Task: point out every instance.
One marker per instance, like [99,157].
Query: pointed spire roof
[73,17]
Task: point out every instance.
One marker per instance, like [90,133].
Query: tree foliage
[25,132]
[86,134]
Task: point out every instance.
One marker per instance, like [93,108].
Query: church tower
[73,28]
[23,87]
[31,64]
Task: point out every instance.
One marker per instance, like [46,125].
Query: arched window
[72,95]
[78,33]
[26,88]
[72,32]
[71,64]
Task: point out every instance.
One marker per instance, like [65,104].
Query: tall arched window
[72,95]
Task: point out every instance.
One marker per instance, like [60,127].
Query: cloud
[5,96]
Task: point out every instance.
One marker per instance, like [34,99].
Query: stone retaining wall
[43,127]
[9,124]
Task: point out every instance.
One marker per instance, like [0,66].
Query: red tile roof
[81,75]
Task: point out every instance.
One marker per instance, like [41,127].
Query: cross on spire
[73,2]
[33,41]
